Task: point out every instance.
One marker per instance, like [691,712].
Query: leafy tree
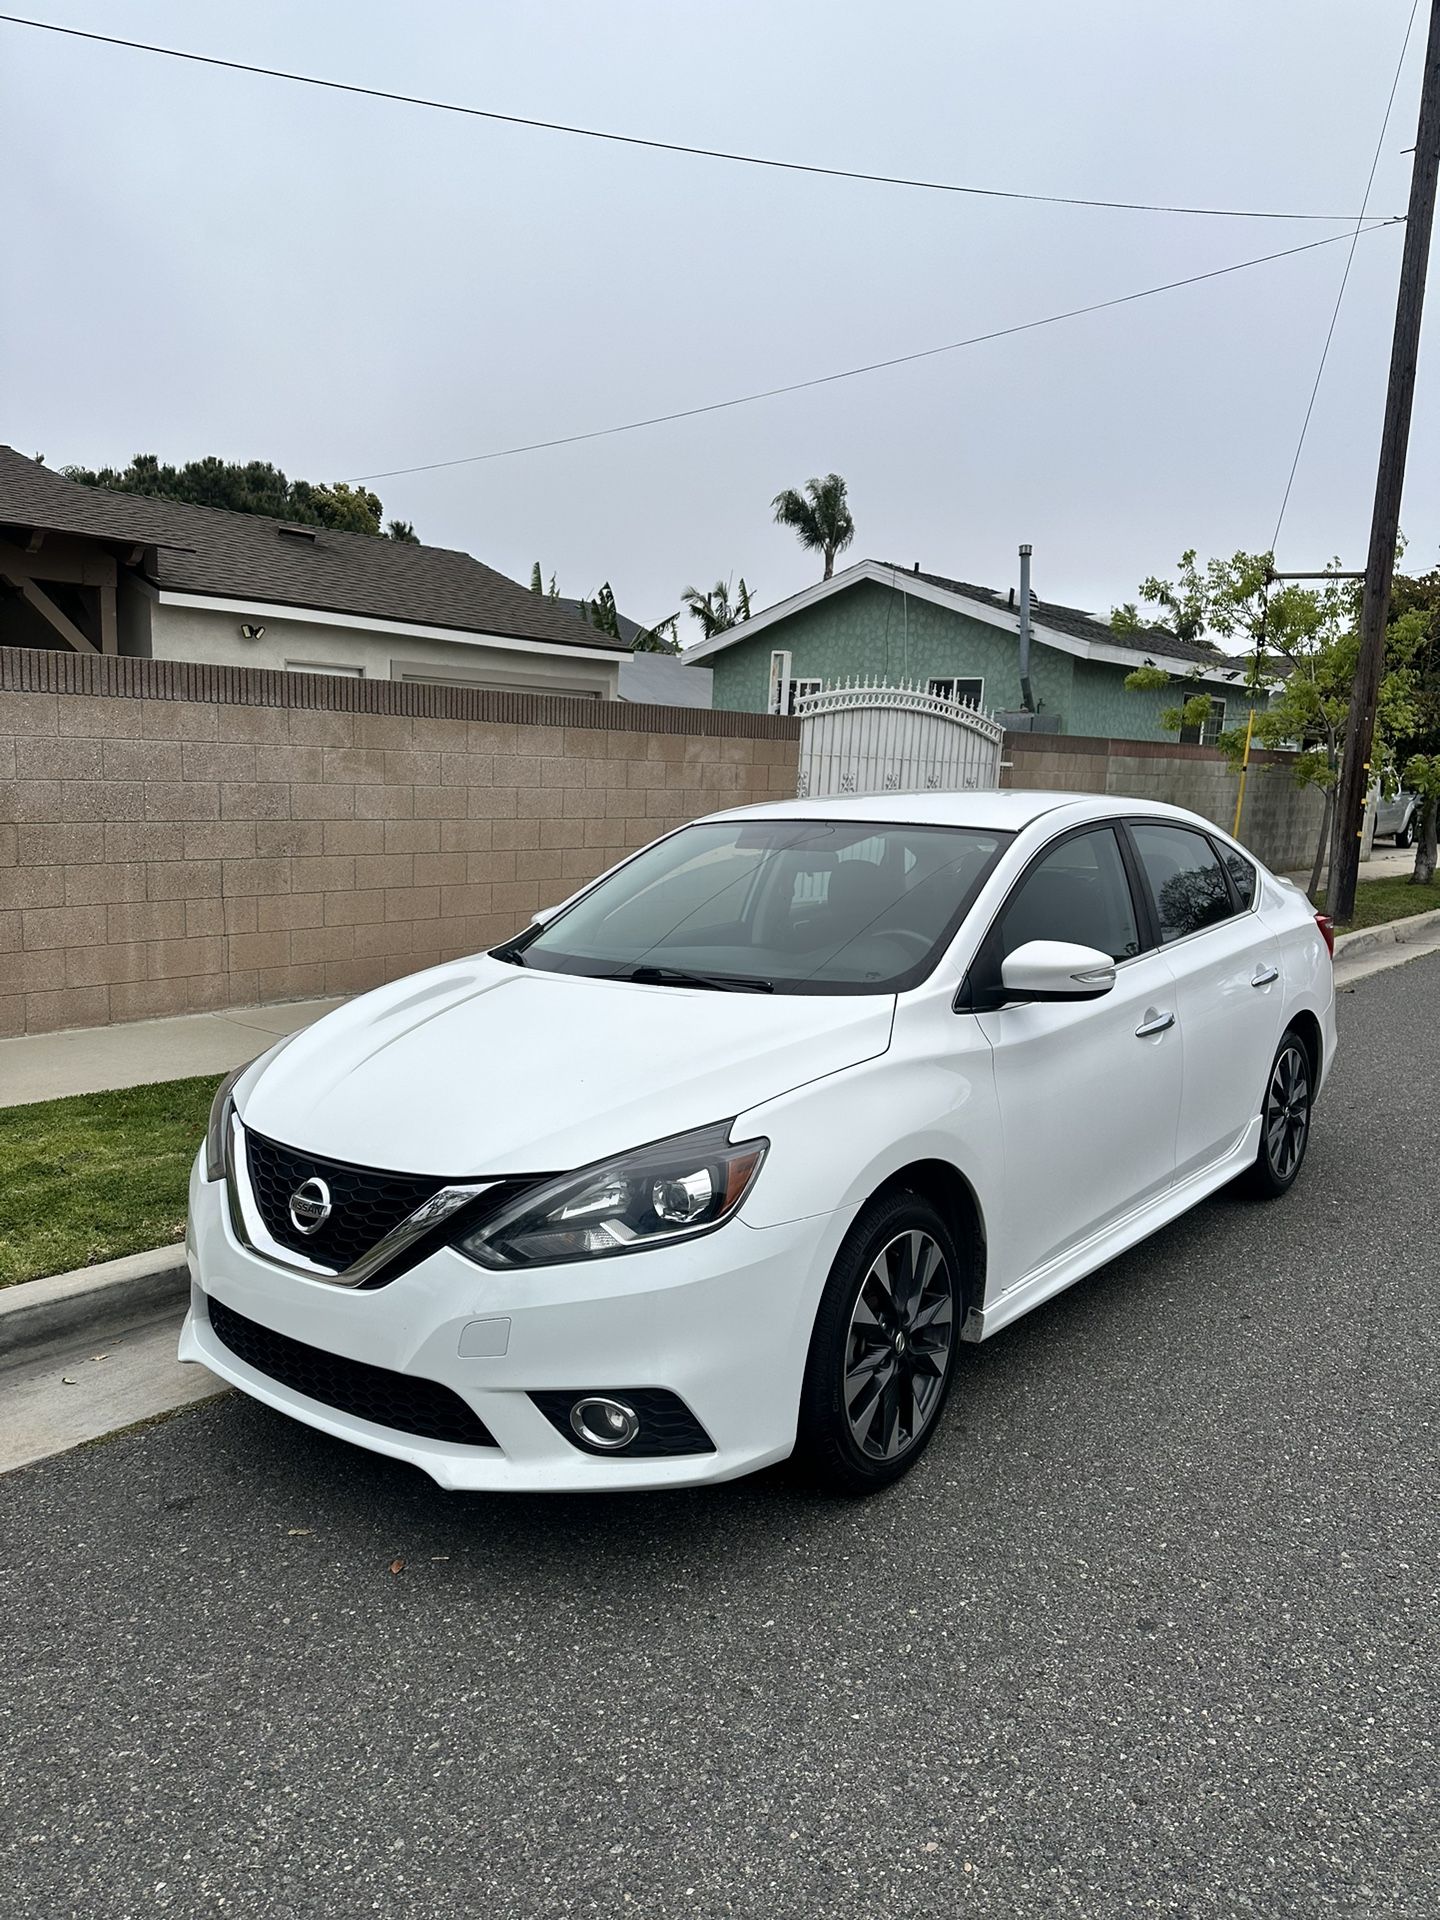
[1225,597]
[253,486]
[602,613]
[1422,776]
[820,517]
[537,582]
[1414,636]
[661,638]
[715,610]
[403,531]
[1305,637]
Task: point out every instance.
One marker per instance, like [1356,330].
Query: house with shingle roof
[876,622]
[94,571]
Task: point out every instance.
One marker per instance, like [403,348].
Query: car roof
[1005,810]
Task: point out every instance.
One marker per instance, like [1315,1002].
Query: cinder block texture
[1280,821]
[176,837]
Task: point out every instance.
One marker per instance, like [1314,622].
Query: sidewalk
[48,1066]
[1385,863]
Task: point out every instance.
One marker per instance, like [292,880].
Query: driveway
[1151,1631]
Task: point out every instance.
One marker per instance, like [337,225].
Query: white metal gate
[883,739]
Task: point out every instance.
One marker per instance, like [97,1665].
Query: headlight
[673,1190]
[219,1126]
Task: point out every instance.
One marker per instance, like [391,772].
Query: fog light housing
[602,1422]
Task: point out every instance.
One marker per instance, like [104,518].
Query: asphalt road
[1151,1631]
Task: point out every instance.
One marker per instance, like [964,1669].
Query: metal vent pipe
[1027,697]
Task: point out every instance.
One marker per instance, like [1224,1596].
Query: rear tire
[1284,1119]
[882,1354]
[1406,835]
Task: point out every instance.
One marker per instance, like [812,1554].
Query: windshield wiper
[681,977]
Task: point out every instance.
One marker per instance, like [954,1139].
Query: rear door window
[1243,875]
[1185,878]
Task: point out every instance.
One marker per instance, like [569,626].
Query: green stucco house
[876,622]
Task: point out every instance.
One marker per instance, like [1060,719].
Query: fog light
[601,1422]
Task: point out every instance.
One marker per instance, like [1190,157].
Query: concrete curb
[92,1300]
[1418,926]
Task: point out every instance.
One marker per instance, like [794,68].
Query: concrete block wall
[1280,822]
[175,837]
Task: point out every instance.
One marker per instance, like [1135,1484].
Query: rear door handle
[1154,1023]
[1264,975]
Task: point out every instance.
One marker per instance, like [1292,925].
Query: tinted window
[1078,892]
[1185,879]
[1243,874]
[810,906]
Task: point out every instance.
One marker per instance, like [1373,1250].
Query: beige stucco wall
[162,855]
[166,631]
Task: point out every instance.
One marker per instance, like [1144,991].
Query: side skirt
[1115,1239]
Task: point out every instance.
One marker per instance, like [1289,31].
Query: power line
[1344,280]
[873,366]
[658,146]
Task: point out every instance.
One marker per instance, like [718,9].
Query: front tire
[1285,1119]
[1406,835]
[882,1354]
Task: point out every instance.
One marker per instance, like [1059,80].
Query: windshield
[786,906]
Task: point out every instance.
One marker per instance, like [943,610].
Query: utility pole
[1389,482]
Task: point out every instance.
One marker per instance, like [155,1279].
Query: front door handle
[1153,1023]
[1264,975]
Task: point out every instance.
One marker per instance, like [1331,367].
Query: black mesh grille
[667,1425]
[365,1204]
[398,1400]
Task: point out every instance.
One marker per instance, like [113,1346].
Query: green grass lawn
[1394,898]
[98,1175]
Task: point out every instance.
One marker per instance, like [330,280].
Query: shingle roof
[244,556]
[1071,620]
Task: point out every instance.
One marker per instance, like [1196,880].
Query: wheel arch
[1304,1023]
[946,1188]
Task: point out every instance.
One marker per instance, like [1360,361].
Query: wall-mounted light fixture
[248,632]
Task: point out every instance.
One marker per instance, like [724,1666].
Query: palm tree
[820,516]
[714,609]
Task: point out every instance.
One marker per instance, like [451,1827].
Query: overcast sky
[205,262]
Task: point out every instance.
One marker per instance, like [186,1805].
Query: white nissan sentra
[719,1161]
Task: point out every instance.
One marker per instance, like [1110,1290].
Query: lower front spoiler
[540,1463]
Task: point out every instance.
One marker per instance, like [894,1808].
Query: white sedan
[718,1161]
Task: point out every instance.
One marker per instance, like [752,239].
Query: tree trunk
[1319,863]
[1425,843]
[829,563]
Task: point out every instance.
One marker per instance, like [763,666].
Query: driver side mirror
[542,916]
[1056,970]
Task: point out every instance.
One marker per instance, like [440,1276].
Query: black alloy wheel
[1285,1122]
[883,1351]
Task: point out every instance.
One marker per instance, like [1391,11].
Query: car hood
[483,1068]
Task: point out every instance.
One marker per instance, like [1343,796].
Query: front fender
[931,1096]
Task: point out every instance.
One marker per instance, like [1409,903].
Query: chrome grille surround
[250,1230]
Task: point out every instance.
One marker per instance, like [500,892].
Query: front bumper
[722,1321]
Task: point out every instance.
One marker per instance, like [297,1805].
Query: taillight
[1327,932]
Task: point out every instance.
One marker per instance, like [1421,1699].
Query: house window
[1209,730]
[799,689]
[968,693]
